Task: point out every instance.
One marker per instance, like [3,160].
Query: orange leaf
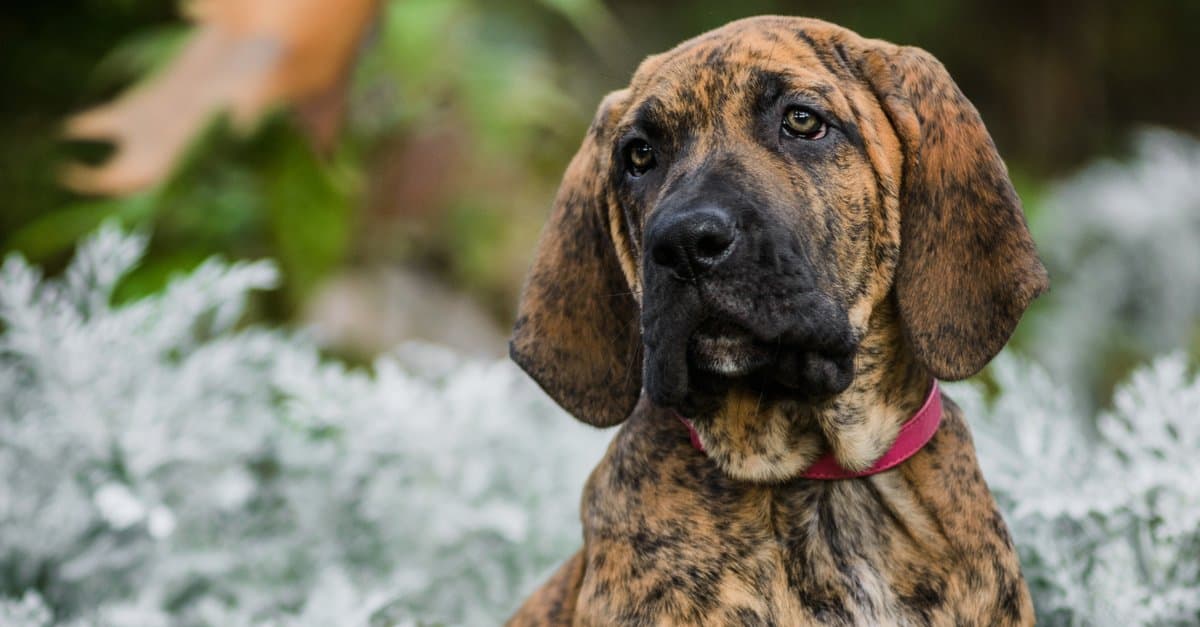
[245,57]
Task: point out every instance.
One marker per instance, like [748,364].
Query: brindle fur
[913,229]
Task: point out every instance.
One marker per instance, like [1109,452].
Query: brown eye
[640,156]
[801,122]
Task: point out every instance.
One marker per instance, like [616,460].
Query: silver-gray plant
[165,467]
[1108,525]
[1122,242]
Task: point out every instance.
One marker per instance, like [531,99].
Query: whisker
[758,404]
[634,354]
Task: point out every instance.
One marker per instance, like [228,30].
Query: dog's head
[738,214]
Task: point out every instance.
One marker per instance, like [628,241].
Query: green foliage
[57,231]
[481,72]
[307,202]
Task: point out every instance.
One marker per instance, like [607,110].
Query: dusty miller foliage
[1107,524]
[1122,242]
[164,466]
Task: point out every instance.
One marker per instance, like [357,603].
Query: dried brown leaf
[245,57]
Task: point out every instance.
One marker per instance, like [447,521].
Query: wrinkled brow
[765,87]
[653,118]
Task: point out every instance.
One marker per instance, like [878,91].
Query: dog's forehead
[706,71]
[745,41]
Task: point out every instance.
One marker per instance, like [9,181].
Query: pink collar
[914,434]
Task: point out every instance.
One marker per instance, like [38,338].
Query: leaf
[58,230]
[244,57]
[309,208]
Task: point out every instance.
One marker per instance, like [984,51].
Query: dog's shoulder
[553,604]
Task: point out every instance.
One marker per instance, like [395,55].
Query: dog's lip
[726,349]
[730,356]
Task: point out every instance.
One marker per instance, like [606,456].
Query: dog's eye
[802,122]
[640,157]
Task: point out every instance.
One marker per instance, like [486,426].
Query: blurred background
[200,442]
[399,156]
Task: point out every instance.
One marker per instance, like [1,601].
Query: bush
[169,468]
[1122,242]
[172,469]
[1107,523]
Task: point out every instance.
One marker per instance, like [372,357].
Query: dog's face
[753,213]
[737,214]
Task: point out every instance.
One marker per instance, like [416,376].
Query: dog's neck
[756,443]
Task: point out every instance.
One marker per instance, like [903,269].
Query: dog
[767,250]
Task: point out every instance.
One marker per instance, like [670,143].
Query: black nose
[691,242]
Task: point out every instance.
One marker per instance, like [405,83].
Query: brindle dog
[783,231]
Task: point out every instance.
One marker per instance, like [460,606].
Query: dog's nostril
[711,245]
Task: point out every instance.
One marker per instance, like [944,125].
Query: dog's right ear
[577,330]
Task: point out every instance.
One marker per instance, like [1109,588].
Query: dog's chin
[734,354]
[718,362]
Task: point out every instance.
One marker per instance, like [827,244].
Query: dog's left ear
[968,267]
[577,330]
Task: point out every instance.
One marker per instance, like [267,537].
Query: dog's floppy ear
[968,267]
[577,329]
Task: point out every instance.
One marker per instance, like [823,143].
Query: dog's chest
[759,589]
[674,544]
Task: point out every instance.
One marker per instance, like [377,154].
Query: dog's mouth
[807,361]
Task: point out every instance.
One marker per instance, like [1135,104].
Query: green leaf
[57,231]
[153,274]
[310,209]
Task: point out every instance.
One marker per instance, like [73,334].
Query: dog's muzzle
[717,310]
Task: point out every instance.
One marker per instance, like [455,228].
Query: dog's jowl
[768,248]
